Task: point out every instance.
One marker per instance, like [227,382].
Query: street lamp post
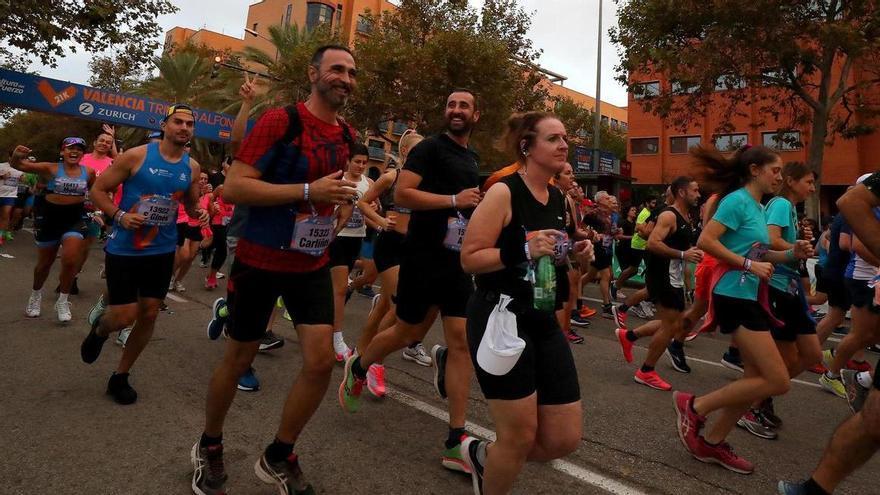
[597,112]
[258,35]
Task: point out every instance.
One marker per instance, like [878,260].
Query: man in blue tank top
[140,250]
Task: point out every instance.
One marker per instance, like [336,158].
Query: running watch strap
[873,183]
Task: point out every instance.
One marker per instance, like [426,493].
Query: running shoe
[852,364]
[579,320]
[286,475]
[8,236]
[649,309]
[625,345]
[63,310]
[203,264]
[438,356]
[692,335]
[469,448]
[767,414]
[163,306]
[607,313]
[733,362]
[341,349]
[211,282]
[350,389]
[587,312]
[215,326]
[573,337]
[791,488]
[367,291]
[376,380]
[35,301]
[639,312]
[828,358]
[248,381]
[92,345]
[841,331]
[752,424]
[220,275]
[178,286]
[418,355]
[452,458]
[874,348]
[724,455]
[677,359]
[856,394]
[833,385]
[122,337]
[818,369]
[270,341]
[619,317]
[120,390]
[689,423]
[209,474]
[97,310]
[651,379]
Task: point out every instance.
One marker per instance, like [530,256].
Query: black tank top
[660,268]
[386,199]
[527,215]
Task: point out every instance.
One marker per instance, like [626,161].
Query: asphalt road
[62,435]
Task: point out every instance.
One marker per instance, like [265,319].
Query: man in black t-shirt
[440,183]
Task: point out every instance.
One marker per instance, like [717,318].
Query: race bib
[157,210]
[312,234]
[455,229]
[676,273]
[357,219]
[67,186]
[11,181]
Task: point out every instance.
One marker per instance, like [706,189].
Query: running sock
[623,308]
[676,345]
[647,369]
[62,297]
[454,437]
[278,451]
[864,379]
[223,311]
[813,488]
[36,292]
[631,336]
[338,338]
[357,370]
[207,441]
[832,376]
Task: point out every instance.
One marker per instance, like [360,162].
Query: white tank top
[356,225]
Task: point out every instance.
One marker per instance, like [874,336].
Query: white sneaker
[417,355]
[63,309]
[220,275]
[122,338]
[343,352]
[35,301]
[171,284]
[97,310]
[178,286]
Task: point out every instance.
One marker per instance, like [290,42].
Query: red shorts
[703,276]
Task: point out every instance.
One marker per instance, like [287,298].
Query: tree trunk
[815,157]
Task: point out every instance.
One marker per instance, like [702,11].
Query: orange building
[658,149]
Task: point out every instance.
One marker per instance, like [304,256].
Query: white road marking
[585,475]
[175,298]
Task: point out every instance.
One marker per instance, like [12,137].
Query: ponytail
[717,174]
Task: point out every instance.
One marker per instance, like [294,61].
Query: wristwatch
[873,183]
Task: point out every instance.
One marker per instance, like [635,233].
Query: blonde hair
[407,141]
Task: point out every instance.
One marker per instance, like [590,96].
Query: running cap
[501,346]
[74,141]
[178,107]
[863,178]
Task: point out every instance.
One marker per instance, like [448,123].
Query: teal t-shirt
[744,219]
[781,213]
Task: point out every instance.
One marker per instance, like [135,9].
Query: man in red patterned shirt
[291,188]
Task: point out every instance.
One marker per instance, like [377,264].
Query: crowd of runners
[295,216]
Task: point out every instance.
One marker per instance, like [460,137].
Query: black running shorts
[429,279]
[861,295]
[53,223]
[386,252]
[602,258]
[132,277]
[732,313]
[185,231]
[788,309]
[662,293]
[838,295]
[344,251]
[308,298]
[546,365]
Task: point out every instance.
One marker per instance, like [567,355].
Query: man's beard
[329,94]
[464,130]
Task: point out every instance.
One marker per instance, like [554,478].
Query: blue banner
[53,96]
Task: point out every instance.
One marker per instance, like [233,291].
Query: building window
[255,26]
[646,90]
[317,14]
[782,140]
[730,142]
[288,14]
[682,144]
[624,126]
[615,124]
[384,126]
[682,88]
[604,120]
[399,128]
[770,73]
[644,146]
[729,81]
[376,149]
[364,24]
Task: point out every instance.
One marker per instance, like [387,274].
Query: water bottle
[545,285]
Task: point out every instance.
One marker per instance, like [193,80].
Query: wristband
[117,217]
[306,191]
[526,248]
[512,254]
[682,254]
[453,203]
[790,254]
[747,264]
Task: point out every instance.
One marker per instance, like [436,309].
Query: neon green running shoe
[453,460]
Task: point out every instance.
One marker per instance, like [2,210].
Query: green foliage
[579,123]
[43,133]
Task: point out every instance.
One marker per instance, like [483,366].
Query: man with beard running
[288,173]
[140,251]
[440,183]
[669,248]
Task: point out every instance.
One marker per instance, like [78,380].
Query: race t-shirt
[99,165]
[9,180]
[638,242]
[781,213]
[858,268]
[744,219]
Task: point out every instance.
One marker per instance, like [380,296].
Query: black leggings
[218,246]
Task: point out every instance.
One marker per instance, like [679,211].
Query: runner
[219,222]
[601,222]
[60,220]
[24,203]
[539,386]
[439,182]
[636,254]
[288,174]
[189,239]
[351,228]
[565,182]
[737,237]
[139,253]
[857,439]
[10,179]
[669,248]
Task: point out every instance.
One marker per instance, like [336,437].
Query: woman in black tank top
[541,387]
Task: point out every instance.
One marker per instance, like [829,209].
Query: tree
[417,54]
[807,52]
[45,30]
[119,71]
[579,123]
[43,132]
